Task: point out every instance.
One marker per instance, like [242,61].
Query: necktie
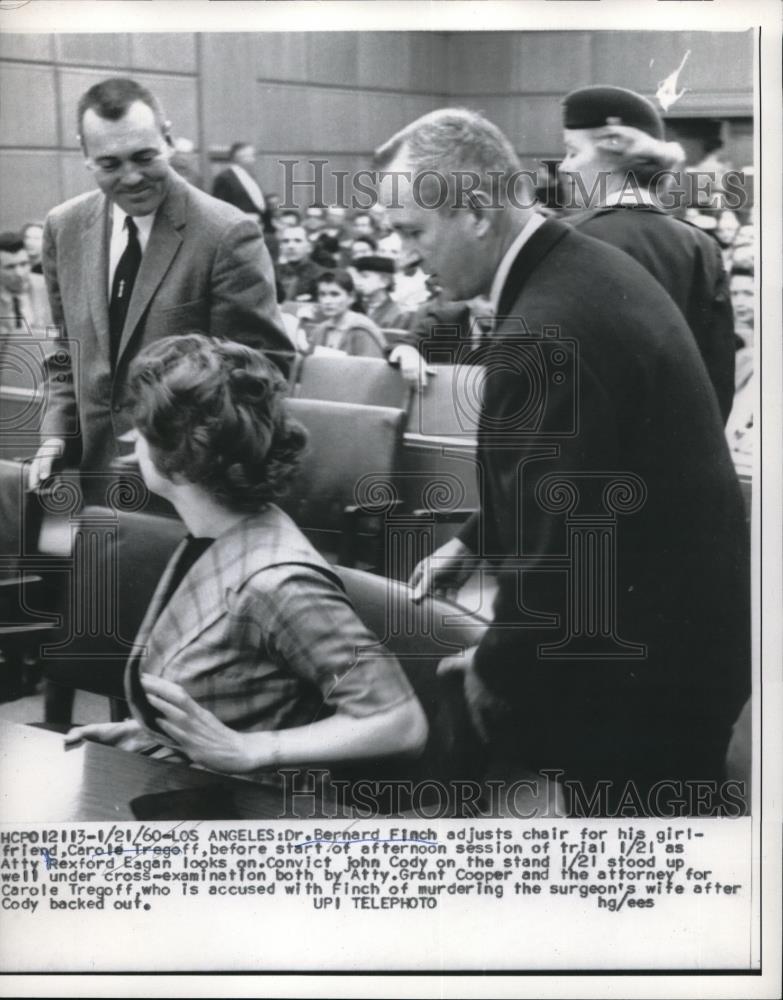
[122,286]
[17,312]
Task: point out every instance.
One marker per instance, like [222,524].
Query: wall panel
[333,57]
[175,53]
[111,50]
[178,95]
[34,48]
[76,178]
[281,55]
[27,107]
[29,186]
[718,61]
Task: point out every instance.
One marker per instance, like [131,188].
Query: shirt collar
[534,222]
[637,197]
[144,223]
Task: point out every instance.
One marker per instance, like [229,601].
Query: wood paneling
[523,62]
[311,183]
[403,61]
[76,178]
[34,48]
[333,57]
[479,62]
[27,108]
[336,95]
[641,60]
[280,55]
[231,109]
[531,123]
[177,94]
[29,186]
[94,50]
[175,53]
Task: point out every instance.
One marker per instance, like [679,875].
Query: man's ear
[480,207]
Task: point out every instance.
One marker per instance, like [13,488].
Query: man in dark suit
[615,146]
[611,512]
[146,256]
[237,183]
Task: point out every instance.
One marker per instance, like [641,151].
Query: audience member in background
[287,217]
[332,241]
[743,297]
[296,271]
[410,290]
[185,162]
[249,638]
[374,281]
[314,220]
[615,148]
[343,329]
[24,306]
[238,186]
[740,423]
[442,328]
[363,227]
[32,237]
[380,220]
[363,246]
[145,256]
[273,205]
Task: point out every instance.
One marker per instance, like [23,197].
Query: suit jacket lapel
[531,254]
[96,254]
[164,242]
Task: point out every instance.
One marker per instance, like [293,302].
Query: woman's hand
[127,735]
[196,731]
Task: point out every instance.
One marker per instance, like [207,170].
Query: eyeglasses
[142,160]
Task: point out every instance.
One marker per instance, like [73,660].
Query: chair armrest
[455,516]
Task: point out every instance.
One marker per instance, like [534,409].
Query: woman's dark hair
[212,411]
[336,277]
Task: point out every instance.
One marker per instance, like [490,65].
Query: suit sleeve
[716,338]
[60,412]
[244,302]
[517,521]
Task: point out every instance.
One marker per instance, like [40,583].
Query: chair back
[117,560]
[344,485]
[348,379]
[420,635]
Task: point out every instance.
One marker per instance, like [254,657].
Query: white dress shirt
[250,185]
[534,223]
[118,240]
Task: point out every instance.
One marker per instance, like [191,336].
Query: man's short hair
[111,99]
[11,242]
[235,148]
[450,142]
[291,211]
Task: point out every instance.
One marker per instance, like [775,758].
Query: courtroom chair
[346,488]
[348,379]
[23,585]
[420,635]
[440,476]
[394,335]
[116,562]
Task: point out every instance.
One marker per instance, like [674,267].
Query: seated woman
[251,655]
[343,329]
